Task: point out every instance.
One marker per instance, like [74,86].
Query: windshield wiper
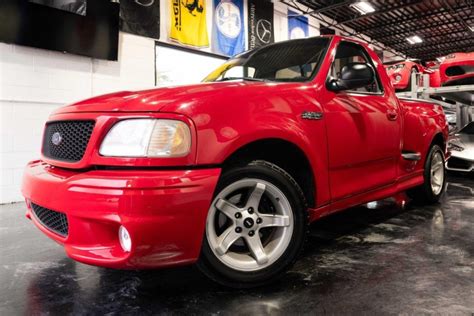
[242,78]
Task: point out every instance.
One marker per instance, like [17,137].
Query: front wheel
[434,178]
[255,226]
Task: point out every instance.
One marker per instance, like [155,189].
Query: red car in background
[457,69]
[400,73]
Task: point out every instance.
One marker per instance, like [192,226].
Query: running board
[412,156]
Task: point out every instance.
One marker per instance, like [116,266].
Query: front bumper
[164,211]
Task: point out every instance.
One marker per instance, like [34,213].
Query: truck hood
[155,100]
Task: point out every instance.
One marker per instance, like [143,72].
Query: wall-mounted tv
[83,27]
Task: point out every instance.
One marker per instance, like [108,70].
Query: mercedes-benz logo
[145,3]
[56,138]
[264,31]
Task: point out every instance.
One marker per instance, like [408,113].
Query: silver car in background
[462,150]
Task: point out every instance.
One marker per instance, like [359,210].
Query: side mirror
[353,76]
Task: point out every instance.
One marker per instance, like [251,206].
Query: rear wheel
[255,226]
[435,178]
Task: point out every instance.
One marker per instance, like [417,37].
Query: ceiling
[442,24]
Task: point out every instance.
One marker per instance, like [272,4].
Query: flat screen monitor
[81,27]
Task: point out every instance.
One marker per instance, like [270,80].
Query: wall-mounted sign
[188,22]
[228,27]
[140,17]
[260,19]
[297,25]
[74,6]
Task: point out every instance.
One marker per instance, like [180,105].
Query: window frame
[370,62]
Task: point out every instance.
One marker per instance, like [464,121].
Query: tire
[431,190]
[268,195]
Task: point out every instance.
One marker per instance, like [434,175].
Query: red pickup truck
[228,173]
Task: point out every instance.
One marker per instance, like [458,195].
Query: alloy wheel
[437,173]
[249,225]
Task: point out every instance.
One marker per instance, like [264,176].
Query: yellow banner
[188,22]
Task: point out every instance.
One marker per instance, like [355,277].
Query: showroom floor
[386,259]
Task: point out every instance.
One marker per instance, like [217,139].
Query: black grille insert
[52,220]
[457,163]
[67,140]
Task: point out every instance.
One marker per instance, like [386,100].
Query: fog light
[398,78]
[125,240]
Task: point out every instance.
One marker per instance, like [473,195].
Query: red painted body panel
[354,154]
[435,80]
[462,61]
[164,211]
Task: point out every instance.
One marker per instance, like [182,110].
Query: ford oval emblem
[56,138]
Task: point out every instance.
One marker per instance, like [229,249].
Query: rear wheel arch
[439,140]
[283,153]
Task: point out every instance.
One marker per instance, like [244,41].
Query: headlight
[451,118]
[147,138]
[398,78]
[454,147]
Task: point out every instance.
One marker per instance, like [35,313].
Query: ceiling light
[415,39]
[363,7]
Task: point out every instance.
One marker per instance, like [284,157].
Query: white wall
[33,82]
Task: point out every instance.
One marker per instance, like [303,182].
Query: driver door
[363,131]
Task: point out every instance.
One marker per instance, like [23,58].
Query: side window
[348,52]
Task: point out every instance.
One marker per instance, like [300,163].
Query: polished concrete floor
[378,259]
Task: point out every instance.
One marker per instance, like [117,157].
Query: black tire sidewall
[218,271]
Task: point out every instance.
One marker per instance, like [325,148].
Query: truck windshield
[290,61]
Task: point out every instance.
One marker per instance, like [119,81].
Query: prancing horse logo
[194,5]
[264,31]
[56,139]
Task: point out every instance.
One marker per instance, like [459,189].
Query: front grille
[457,163]
[67,140]
[454,71]
[52,220]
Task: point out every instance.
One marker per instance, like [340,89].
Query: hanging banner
[140,17]
[188,22]
[74,6]
[297,25]
[260,19]
[228,28]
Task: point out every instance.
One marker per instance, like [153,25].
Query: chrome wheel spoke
[274,220]
[227,208]
[226,240]
[438,165]
[437,173]
[256,195]
[256,248]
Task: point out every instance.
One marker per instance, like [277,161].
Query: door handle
[392,115]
